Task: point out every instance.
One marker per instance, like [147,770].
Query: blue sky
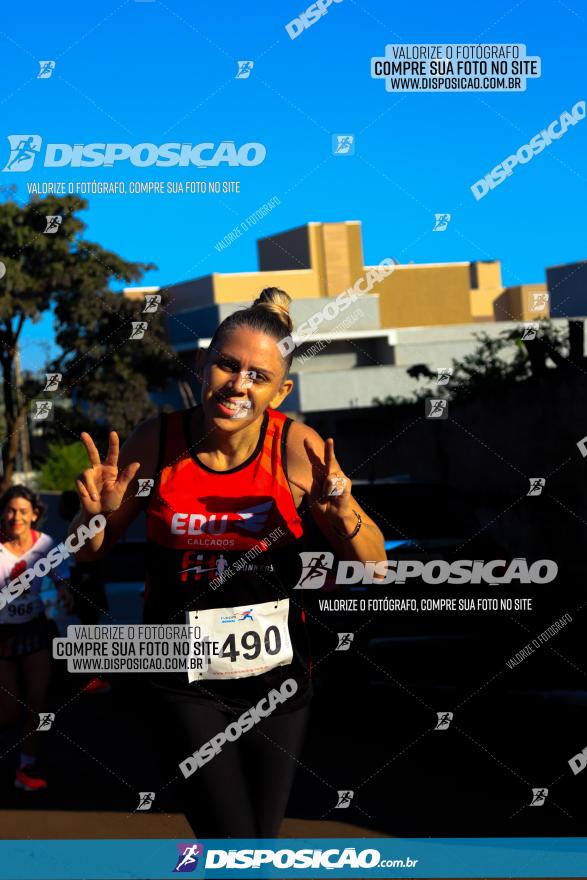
[155,72]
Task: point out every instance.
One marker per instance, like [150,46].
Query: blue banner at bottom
[372,857]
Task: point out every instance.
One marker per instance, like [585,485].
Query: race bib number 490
[248,639]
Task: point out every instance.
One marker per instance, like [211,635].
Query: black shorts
[20,639]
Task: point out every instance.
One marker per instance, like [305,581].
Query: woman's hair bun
[276,301]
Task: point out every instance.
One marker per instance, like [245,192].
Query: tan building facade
[524,302]
[323,259]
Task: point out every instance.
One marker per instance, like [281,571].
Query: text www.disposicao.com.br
[134,664]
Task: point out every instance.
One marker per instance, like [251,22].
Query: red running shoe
[28,779]
[97,686]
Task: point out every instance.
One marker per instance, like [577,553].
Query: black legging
[243,790]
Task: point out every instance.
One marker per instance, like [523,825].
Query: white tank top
[29,604]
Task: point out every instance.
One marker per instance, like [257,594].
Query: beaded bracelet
[355,530]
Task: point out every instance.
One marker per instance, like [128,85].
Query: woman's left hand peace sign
[331,490]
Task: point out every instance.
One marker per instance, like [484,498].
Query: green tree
[106,376]
[64,463]
[109,373]
[499,361]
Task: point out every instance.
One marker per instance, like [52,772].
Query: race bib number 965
[249,640]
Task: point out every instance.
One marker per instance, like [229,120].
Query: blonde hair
[269,313]
[277,302]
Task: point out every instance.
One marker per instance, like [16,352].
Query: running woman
[25,634]
[235,482]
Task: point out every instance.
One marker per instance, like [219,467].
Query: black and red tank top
[220,539]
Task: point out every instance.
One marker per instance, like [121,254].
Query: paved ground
[70,824]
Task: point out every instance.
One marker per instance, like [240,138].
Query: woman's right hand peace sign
[101,487]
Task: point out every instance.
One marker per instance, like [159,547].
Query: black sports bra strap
[284,433]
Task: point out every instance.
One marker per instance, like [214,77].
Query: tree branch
[21,320]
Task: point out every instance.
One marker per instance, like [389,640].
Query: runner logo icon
[444,719]
[436,408]
[46,719]
[23,151]
[53,223]
[152,302]
[530,330]
[43,409]
[539,795]
[146,799]
[244,69]
[145,486]
[343,145]
[537,484]
[444,374]
[232,618]
[441,222]
[138,329]
[46,69]
[538,301]
[53,380]
[188,855]
[314,571]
